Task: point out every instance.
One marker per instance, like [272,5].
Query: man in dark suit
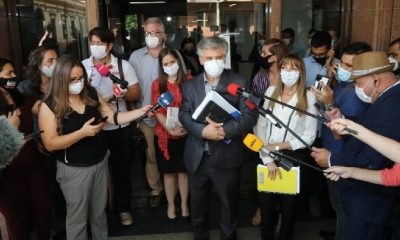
[213,152]
[369,209]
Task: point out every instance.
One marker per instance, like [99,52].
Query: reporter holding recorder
[70,120]
[290,89]
[386,146]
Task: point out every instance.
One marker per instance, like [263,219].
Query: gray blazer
[223,155]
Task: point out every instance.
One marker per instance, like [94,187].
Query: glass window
[57,23]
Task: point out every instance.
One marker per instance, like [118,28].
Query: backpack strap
[120,70]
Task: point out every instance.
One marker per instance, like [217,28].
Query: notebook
[216,108]
[289,184]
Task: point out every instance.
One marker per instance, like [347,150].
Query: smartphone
[100,120]
[11,108]
[320,79]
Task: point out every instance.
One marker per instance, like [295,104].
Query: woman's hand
[89,130]
[336,172]
[146,108]
[13,118]
[273,171]
[338,125]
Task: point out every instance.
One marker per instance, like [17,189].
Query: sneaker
[126,218]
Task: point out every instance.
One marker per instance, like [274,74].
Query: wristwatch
[277,148]
[330,106]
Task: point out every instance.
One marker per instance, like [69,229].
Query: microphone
[11,141]
[252,102]
[255,144]
[164,101]
[235,90]
[105,72]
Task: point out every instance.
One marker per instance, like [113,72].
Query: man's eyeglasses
[153,34]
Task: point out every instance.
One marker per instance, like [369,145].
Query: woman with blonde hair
[291,90]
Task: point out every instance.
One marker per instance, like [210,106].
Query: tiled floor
[303,231]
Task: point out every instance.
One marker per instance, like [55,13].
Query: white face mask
[214,68]
[152,42]
[289,78]
[362,95]
[48,70]
[171,70]
[286,41]
[76,88]
[98,51]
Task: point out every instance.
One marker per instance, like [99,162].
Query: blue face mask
[343,75]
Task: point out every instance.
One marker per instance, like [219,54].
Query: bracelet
[116,118]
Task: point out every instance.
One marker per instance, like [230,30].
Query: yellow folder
[288,184]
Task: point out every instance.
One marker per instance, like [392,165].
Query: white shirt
[104,85]
[303,125]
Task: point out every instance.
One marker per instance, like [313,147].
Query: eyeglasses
[76,80]
[153,34]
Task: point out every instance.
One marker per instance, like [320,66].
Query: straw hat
[369,63]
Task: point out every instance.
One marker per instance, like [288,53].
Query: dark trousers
[337,204]
[120,144]
[269,203]
[355,229]
[226,183]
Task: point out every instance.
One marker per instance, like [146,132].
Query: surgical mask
[48,70]
[264,63]
[343,75]
[98,51]
[171,70]
[76,88]
[289,78]
[9,83]
[214,68]
[362,95]
[286,41]
[151,42]
[321,60]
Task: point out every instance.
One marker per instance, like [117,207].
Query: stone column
[92,13]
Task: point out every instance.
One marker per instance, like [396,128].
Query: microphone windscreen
[250,104]
[103,70]
[11,141]
[233,89]
[252,142]
[165,99]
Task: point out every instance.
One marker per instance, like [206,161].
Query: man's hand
[325,95]
[334,114]
[213,131]
[321,156]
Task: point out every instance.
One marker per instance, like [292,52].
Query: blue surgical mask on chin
[343,75]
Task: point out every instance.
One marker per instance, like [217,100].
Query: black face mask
[321,60]
[8,83]
[264,62]
[190,52]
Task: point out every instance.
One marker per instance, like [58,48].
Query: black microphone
[164,101]
[105,72]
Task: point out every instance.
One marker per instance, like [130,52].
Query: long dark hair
[33,72]
[162,76]
[58,92]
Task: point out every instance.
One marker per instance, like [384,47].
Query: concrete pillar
[92,13]
[275,18]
